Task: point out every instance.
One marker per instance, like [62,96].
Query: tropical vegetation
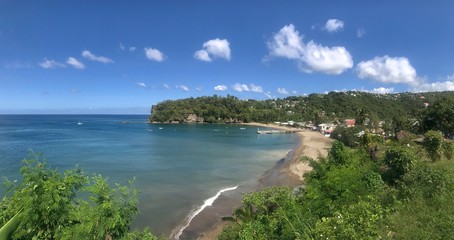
[401,191]
[48,204]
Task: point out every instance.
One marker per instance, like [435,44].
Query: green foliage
[52,209]
[353,195]
[433,142]
[276,209]
[426,209]
[317,108]
[439,116]
[349,136]
[361,220]
[371,143]
[399,160]
[10,227]
[448,150]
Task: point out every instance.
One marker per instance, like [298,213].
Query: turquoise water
[177,167]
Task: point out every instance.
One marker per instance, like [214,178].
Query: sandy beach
[289,173]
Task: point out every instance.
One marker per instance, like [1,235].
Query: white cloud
[268,95]
[334,60]
[202,55]
[220,88]
[141,84]
[334,25]
[75,63]
[132,49]
[214,48]
[360,32]
[46,63]
[255,88]
[382,90]
[240,87]
[87,54]
[183,87]
[288,43]
[388,70]
[154,54]
[294,92]
[282,91]
[435,87]
[199,89]
[245,88]
[166,86]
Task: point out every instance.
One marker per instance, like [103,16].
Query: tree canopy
[314,107]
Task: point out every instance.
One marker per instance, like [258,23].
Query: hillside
[314,107]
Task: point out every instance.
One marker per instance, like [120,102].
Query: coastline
[288,171]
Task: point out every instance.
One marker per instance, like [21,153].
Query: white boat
[79,123]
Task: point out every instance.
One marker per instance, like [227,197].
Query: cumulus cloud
[90,56]
[435,87]
[240,87]
[287,43]
[141,84]
[282,91]
[311,57]
[202,55]
[247,88]
[220,88]
[212,49]
[382,90]
[329,60]
[75,63]
[183,87]
[46,63]
[154,54]
[334,25]
[255,88]
[388,70]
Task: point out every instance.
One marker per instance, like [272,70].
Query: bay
[177,166]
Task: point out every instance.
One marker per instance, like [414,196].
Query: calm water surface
[176,167]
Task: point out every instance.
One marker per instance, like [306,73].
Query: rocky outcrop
[193,118]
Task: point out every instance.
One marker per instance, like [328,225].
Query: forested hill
[314,107]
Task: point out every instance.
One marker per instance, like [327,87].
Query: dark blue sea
[177,166]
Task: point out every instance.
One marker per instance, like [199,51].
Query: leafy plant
[52,208]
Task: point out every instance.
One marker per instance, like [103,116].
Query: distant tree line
[414,112]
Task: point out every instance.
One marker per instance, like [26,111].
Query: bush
[51,208]
[433,142]
[398,160]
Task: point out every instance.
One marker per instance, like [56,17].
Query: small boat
[79,123]
[242,128]
[160,128]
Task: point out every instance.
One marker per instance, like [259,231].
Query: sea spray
[209,202]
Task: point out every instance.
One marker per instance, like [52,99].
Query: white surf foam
[209,202]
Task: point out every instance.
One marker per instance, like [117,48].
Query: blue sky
[124,56]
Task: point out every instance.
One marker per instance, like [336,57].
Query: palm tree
[243,214]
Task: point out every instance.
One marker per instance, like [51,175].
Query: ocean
[179,168]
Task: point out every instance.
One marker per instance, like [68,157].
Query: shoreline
[288,171]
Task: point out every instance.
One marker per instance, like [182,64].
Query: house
[322,127]
[350,122]
[327,133]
